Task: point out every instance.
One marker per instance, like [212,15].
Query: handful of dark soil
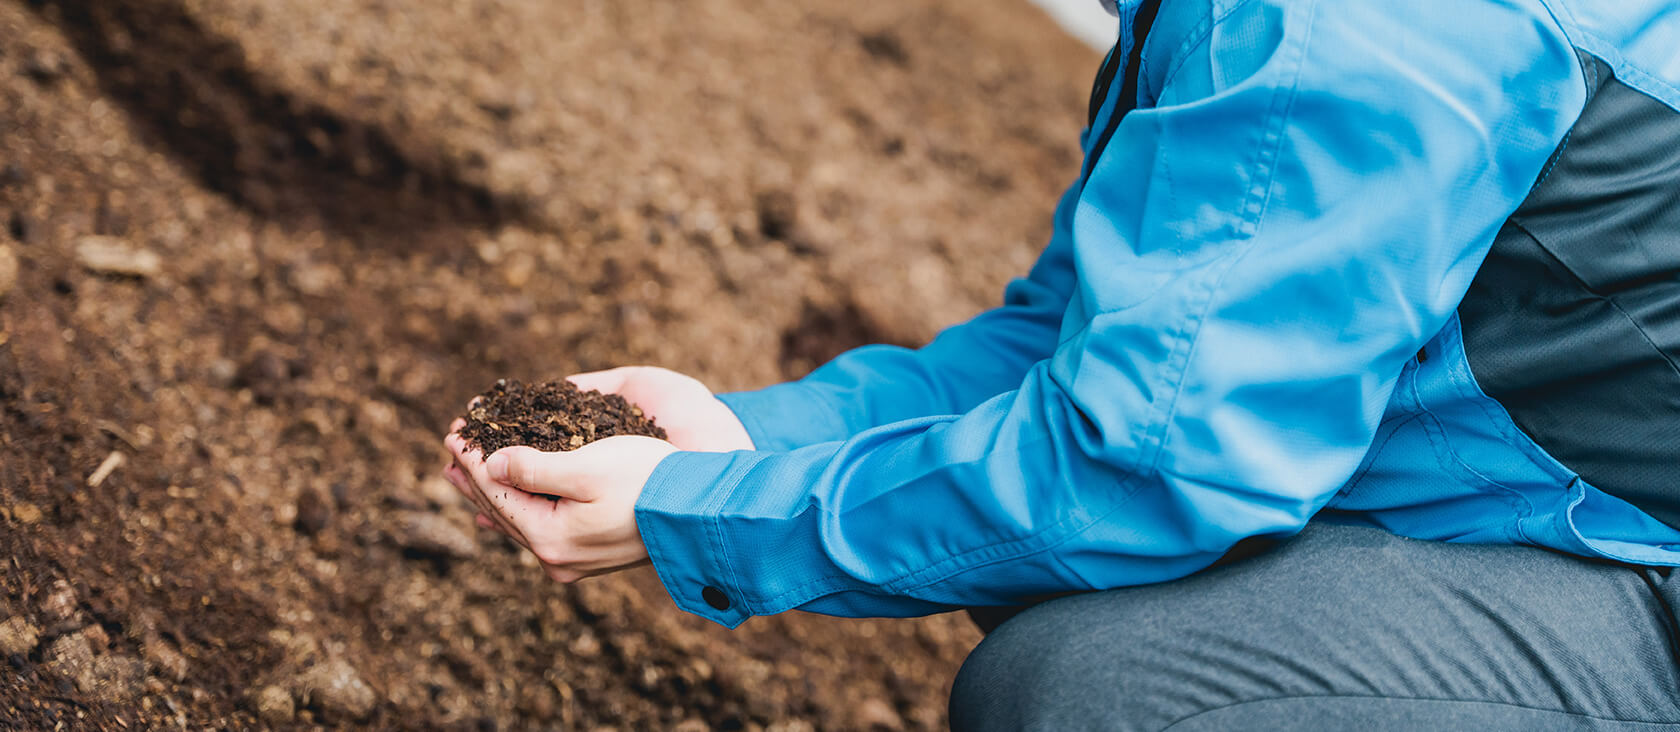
[550,416]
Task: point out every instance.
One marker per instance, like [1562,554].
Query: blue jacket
[1254,310]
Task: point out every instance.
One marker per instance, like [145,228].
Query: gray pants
[1343,628]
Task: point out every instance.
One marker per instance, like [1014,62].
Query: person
[1398,280]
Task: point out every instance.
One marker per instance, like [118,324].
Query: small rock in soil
[8,270]
[23,229]
[877,714]
[96,637]
[586,645]
[434,536]
[314,511]
[70,654]
[163,657]
[777,213]
[223,372]
[274,705]
[266,374]
[18,637]
[60,604]
[79,657]
[538,700]
[109,255]
[438,493]
[45,66]
[886,46]
[551,416]
[26,513]
[335,688]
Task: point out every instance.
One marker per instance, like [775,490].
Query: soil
[254,254]
[551,416]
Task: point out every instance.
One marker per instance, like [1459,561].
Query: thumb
[534,471]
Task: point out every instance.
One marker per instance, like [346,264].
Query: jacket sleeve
[1259,252]
[965,365]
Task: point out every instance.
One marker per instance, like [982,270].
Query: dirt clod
[60,604]
[26,513]
[23,229]
[778,213]
[274,705]
[336,689]
[877,714]
[44,66]
[267,375]
[81,658]
[110,255]
[8,270]
[314,511]
[885,45]
[18,636]
[432,535]
[163,657]
[551,416]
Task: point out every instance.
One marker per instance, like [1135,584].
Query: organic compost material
[551,416]
[262,251]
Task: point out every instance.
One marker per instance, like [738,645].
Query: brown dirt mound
[551,416]
[254,254]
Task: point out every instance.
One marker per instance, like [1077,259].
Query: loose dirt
[255,254]
[551,416]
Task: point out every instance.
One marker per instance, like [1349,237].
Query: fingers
[524,512]
[610,381]
[453,474]
[551,473]
[463,453]
[510,503]
[468,476]
[464,483]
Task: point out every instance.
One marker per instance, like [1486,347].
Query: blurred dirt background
[255,254]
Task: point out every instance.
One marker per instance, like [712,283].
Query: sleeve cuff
[786,417]
[677,515]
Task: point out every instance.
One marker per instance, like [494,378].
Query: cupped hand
[588,527]
[693,417]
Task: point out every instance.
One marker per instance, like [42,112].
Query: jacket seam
[1262,193]
[1050,536]
[1608,300]
[1551,165]
[1253,209]
[1582,39]
[1500,421]
[1435,431]
[988,554]
[1261,166]
[1188,336]
[731,577]
[912,582]
[1372,453]
[1199,34]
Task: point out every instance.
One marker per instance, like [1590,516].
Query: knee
[1037,671]
[985,676]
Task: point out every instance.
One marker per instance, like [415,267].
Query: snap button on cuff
[715,597]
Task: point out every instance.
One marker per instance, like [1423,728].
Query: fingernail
[497,467]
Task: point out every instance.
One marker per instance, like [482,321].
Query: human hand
[591,528]
[693,418]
